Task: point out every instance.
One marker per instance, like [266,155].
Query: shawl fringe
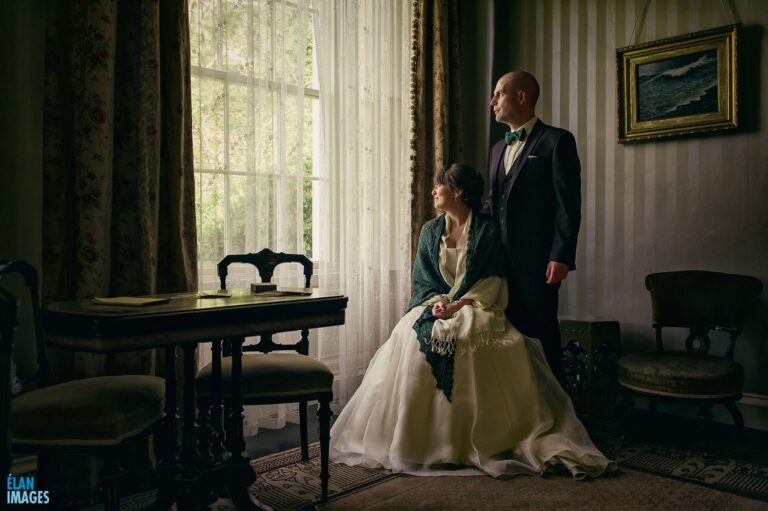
[450,347]
[443,347]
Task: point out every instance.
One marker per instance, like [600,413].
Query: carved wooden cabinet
[590,347]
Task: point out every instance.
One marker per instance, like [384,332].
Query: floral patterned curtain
[119,215]
[118,178]
[436,124]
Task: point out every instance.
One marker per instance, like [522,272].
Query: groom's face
[505,108]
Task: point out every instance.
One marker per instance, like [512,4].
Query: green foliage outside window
[252,138]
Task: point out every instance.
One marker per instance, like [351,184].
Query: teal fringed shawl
[484,259]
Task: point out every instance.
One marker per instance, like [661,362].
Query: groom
[535,181]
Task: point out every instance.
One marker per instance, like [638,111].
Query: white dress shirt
[515,148]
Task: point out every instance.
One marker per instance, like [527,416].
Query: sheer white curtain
[300,129]
[363,222]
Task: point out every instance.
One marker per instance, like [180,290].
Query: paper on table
[130,301]
[221,293]
[284,292]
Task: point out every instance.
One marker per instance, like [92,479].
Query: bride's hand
[446,310]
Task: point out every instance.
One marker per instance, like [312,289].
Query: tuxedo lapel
[496,153]
[522,159]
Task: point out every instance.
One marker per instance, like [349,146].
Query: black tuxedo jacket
[541,200]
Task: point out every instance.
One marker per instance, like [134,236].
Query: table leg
[188,494]
[211,434]
[235,441]
[218,449]
[166,440]
[243,474]
[303,348]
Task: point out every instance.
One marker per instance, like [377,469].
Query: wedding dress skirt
[507,414]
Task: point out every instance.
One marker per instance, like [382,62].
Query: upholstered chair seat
[681,374]
[271,376]
[92,412]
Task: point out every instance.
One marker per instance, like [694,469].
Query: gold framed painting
[678,86]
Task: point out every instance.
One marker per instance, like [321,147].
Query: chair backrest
[701,298]
[43,375]
[265,262]
[701,301]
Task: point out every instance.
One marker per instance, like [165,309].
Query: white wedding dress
[507,414]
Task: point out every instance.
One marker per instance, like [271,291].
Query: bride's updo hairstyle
[460,176]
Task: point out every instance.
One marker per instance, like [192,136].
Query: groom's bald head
[514,98]
[522,81]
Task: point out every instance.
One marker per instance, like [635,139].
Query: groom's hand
[556,272]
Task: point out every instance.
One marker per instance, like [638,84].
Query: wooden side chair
[94,416]
[273,378]
[700,301]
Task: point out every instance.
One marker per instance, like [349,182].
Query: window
[255,104]
[262,180]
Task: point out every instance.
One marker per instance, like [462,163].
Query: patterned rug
[286,483]
[724,474]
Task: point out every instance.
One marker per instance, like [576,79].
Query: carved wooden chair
[93,416]
[273,378]
[700,301]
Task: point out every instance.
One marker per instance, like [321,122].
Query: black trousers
[532,309]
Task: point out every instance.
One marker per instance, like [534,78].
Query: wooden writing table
[210,463]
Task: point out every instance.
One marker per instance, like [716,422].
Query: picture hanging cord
[644,9]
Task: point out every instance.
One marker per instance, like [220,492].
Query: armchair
[702,302]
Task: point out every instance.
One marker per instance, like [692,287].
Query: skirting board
[754,408]
[754,400]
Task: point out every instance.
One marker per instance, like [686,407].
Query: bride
[456,389]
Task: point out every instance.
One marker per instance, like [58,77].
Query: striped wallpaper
[698,203]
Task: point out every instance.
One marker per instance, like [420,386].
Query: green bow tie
[512,136]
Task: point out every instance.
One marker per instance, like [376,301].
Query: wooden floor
[270,441]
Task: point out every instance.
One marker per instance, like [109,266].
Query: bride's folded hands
[442,310]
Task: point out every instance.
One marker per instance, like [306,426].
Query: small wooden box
[262,287]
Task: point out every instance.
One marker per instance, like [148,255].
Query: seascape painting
[679,86]
[676,87]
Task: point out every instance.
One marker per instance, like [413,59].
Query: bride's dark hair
[461,176]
